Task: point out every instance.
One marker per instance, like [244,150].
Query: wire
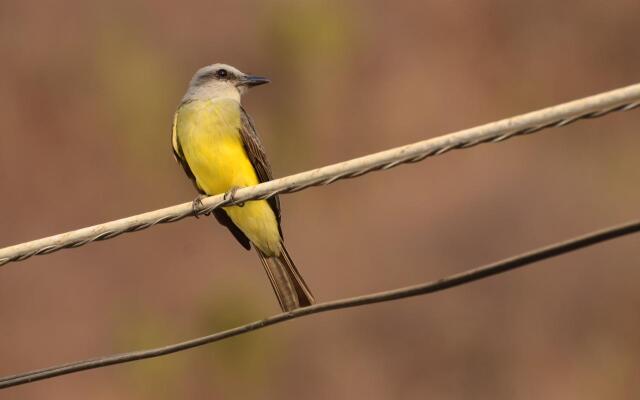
[410,291]
[622,99]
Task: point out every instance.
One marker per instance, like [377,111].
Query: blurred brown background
[87,95]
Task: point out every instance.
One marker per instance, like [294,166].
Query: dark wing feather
[179,156]
[220,214]
[223,218]
[255,151]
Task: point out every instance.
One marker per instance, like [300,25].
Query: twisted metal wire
[229,200]
[445,283]
[413,158]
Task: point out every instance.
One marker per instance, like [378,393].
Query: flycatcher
[216,143]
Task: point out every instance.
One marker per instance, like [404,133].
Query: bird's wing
[255,151]
[179,156]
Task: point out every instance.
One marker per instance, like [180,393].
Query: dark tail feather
[291,290]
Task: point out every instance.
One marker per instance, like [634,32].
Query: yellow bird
[215,141]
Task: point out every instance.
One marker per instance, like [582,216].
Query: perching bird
[215,141]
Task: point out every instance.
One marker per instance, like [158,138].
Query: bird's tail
[291,290]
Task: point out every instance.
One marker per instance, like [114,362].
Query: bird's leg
[231,195]
[197,205]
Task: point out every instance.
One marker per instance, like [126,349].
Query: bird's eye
[222,73]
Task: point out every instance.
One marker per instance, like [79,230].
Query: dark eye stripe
[204,78]
[207,76]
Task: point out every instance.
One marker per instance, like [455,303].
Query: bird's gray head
[220,81]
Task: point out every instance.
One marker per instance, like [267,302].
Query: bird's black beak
[253,80]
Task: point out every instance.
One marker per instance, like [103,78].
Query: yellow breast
[209,135]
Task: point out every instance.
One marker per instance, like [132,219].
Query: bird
[215,141]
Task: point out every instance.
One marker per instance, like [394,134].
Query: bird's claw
[197,205]
[231,196]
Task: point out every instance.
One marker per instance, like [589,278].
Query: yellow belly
[209,134]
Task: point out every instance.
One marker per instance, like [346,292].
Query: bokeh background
[87,95]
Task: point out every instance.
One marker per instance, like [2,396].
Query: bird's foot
[231,195]
[197,205]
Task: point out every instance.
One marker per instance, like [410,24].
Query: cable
[590,107]
[410,291]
